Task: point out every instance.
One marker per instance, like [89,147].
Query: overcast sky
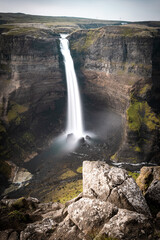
[132,10]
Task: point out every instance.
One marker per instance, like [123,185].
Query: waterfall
[74,109]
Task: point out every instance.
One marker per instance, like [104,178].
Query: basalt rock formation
[32,97]
[110,207]
[119,68]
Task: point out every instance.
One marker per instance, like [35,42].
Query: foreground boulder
[149,183]
[110,207]
[113,185]
[127,225]
[89,214]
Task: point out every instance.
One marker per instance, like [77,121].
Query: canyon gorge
[118,70]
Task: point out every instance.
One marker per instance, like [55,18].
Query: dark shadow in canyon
[103,124]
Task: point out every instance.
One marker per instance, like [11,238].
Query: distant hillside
[7,18]
[149,23]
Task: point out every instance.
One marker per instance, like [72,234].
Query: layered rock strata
[119,68]
[32,91]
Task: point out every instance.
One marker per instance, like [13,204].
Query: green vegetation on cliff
[88,38]
[79,170]
[145,89]
[21,31]
[136,30]
[17,216]
[65,192]
[134,175]
[134,116]
[15,111]
[91,37]
[137,149]
[67,174]
[140,113]
[28,138]
[19,203]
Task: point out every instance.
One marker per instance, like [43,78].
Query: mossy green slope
[65,192]
[140,113]
[15,111]
[87,39]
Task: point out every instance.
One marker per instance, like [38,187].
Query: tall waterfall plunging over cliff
[74,109]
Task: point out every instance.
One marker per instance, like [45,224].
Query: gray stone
[90,214]
[57,206]
[126,225]
[38,230]
[94,180]
[74,200]
[67,230]
[57,215]
[114,185]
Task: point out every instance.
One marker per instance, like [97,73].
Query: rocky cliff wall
[119,68]
[32,89]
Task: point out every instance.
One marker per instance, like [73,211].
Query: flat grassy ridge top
[26,18]
[24,24]
[131,30]
[27,29]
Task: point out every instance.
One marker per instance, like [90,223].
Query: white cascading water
[74,110]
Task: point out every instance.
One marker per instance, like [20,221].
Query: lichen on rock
[90,216]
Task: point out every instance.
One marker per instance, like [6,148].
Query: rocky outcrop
[119,68]
[149,183]
[32,91]
[89,216]
[112,185]
[121,226]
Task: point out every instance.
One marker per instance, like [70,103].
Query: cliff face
[32,90]
[119,68]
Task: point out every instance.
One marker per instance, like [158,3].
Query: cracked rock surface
[111,206]
[114,185]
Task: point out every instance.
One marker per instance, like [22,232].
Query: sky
[128,10]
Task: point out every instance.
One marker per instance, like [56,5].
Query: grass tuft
[68,174]
[79,170]
[65,192]
[134,175]
[15,111]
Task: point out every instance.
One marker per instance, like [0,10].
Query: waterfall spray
[74,109]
